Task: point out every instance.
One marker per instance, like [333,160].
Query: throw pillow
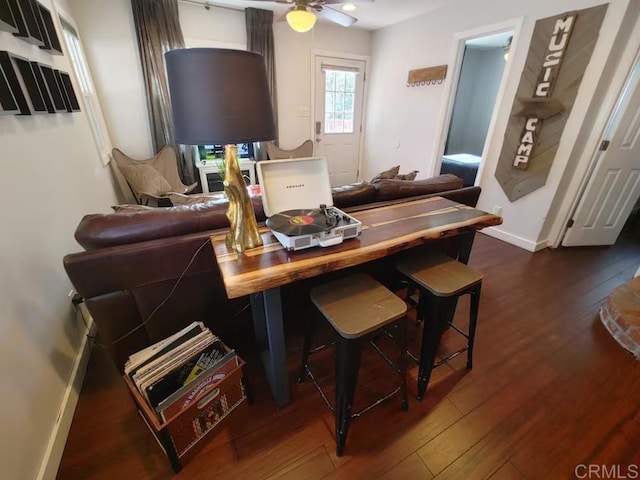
[407,176]
[146,179]
[391,173]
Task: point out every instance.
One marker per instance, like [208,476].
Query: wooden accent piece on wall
[544,117]
[427,76]
[7,22]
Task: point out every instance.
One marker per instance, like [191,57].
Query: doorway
[338,105]
[483,65]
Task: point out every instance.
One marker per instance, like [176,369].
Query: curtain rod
[212,4]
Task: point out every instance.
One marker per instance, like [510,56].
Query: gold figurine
[243,228]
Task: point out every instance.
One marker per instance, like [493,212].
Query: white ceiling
[371,16]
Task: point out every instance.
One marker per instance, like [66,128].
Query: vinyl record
[298,222]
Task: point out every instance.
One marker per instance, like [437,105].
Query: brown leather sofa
[145,275]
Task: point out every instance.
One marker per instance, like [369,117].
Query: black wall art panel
[28,27]
[49,34]
[54,89]
[7,22]
[6,65]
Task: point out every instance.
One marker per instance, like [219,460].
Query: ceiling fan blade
[333,2]
[335,16]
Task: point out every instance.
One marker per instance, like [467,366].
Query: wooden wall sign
[560,50]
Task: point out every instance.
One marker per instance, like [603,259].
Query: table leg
[266,308]
[465,242]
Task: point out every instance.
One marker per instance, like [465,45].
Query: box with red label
[194,414]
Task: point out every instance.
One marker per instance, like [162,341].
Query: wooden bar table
[386,230]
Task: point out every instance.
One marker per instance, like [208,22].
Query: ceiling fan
[303,13]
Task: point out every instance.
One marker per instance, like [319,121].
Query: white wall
[402,124]
[475,100]
[294,70]
[108,36]
[52,175]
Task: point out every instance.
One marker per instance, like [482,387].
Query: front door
[338,115]
[614,186]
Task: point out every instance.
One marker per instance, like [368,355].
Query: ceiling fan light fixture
[349,7]
[300,19]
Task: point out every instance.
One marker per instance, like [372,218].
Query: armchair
[152,178]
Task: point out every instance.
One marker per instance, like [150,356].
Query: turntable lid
[297,183]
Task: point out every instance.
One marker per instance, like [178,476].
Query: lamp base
[243,228]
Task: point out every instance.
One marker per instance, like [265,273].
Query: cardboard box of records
[185,386]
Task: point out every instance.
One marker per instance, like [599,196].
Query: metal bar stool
[357,307]
[441,280]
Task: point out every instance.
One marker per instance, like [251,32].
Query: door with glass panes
[338,115]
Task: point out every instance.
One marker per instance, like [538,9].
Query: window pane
[339,102]
[339,123]
[350,81]
[340,81]
[329,126]
[330,80]
[348,123]
[349,100]
[329,102]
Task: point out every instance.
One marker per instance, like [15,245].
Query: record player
[296,196]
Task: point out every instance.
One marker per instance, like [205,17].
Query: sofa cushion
[358,193]
[391,189]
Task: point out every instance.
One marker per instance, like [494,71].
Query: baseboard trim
[58,438]
[515,240]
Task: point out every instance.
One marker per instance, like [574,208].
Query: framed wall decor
[7,22]
[57,96]
[27,17]
[9,73]
[558,56]
[49,34]
[69,96]
[42,85]
[8,104]
[31,85]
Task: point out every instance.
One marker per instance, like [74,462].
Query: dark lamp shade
[219,96]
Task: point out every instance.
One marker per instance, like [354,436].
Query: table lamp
[221,96]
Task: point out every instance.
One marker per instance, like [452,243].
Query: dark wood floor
[550,390]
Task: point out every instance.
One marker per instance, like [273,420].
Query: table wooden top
[385,230]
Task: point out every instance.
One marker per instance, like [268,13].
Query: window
[339,101]
[91,103]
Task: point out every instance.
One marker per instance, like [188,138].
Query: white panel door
[339,94]
[614,186]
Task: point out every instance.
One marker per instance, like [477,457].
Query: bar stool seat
[357,307]
[441,280]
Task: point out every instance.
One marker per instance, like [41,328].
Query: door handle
[318,140]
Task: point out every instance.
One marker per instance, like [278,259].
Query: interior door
[614,186]
[339,94]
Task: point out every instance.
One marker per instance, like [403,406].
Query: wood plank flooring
[549,390]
